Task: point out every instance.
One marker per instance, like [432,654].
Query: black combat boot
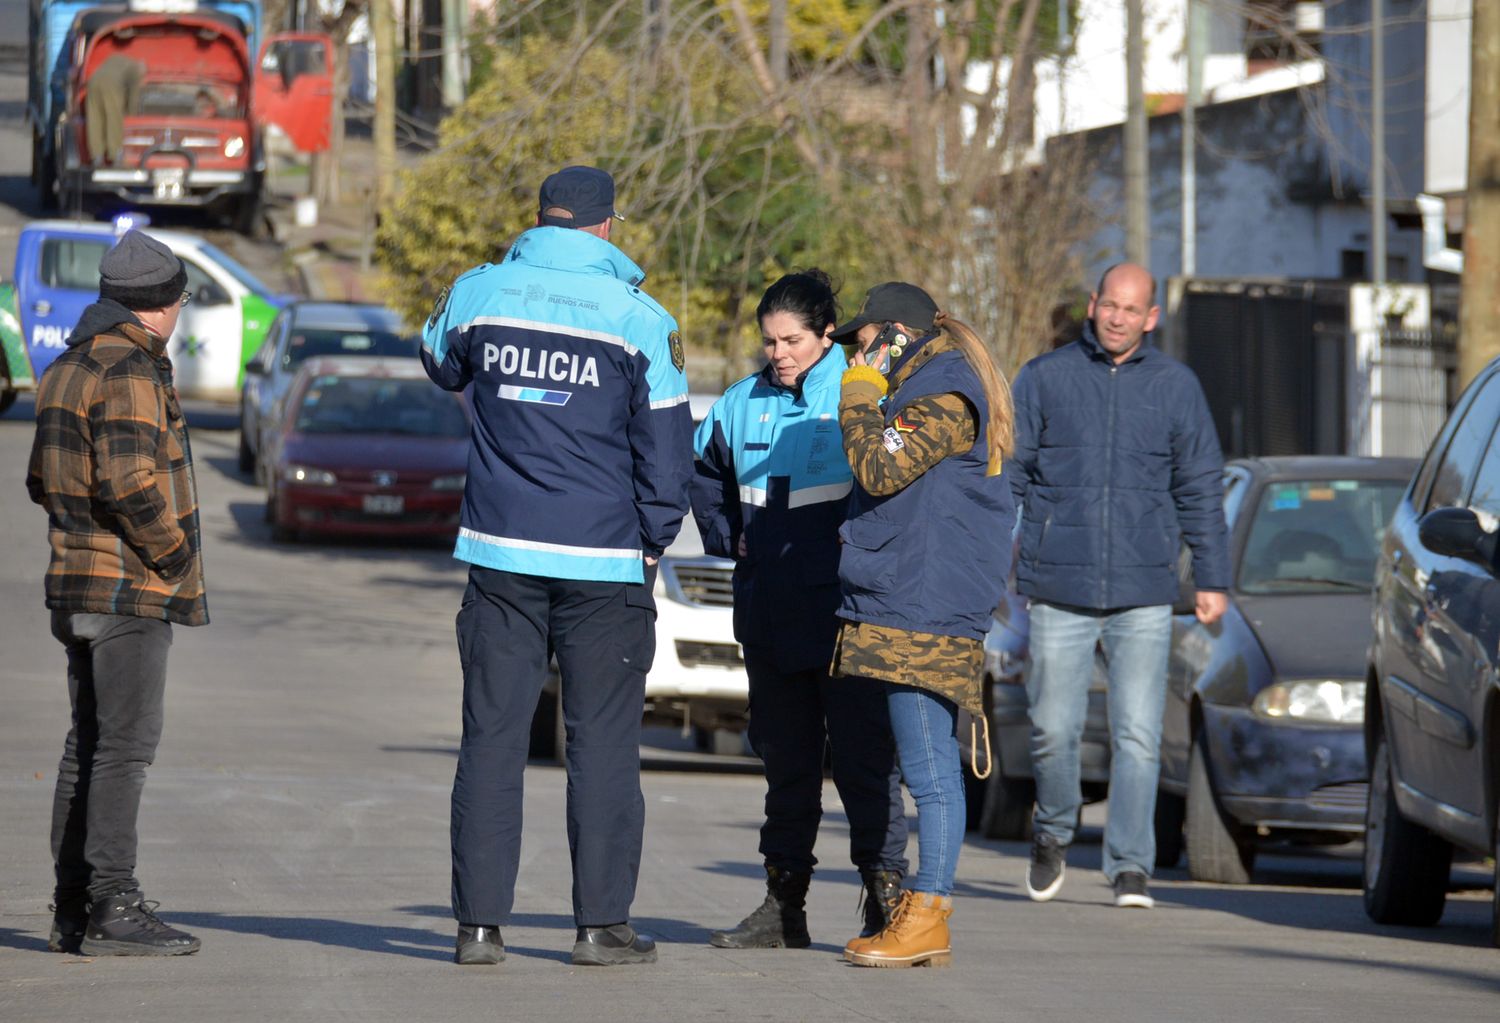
[70,918]
[881,896]
[780,922]
[127,925]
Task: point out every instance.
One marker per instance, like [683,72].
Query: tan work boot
[916,936]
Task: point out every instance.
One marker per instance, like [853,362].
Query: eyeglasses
[187,296]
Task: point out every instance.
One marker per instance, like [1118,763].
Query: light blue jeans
[926,729]
[1136,643]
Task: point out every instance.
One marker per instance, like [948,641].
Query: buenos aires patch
[892,440]
[674,342]
[437,309]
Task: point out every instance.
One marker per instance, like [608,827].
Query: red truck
[167,109]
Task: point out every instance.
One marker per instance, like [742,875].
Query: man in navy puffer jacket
[1116,462]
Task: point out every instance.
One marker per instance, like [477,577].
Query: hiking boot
[70,918]
[1131,891]
[1049,864]
[916,936]
[127,925]
[880,897]
[478,945]
[779,922]
[615,945]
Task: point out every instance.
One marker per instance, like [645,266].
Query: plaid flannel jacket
[112,467]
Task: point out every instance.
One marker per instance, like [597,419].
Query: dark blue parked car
[1262,736]
[1432,725]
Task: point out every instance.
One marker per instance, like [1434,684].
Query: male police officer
[578,479]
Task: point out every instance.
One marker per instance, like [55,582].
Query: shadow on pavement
[12,938]
[404,941]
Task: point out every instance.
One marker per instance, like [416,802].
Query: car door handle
[41,308]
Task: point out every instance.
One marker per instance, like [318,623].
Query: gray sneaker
[1130,890]
[1048,866]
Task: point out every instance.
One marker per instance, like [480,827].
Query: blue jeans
[926,729]
[1136,642]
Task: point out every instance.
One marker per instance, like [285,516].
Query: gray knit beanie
[141,273]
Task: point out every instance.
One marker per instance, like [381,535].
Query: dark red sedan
[366,446]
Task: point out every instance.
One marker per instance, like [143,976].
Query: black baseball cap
[892,302]
[587,193]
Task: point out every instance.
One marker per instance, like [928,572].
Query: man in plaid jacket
[112,467]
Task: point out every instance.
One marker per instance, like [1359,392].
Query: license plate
[384,504]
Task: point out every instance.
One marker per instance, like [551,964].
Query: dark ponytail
[808,295]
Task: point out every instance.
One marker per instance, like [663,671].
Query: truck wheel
[1217,847]
[1406,866]
[250,217]
[44,176]
[1171,811]
[1005,810]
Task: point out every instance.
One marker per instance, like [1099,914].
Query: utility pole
[383,27]
[1479,314]
[777,56]
[453,53]
[1196,44]
[1137,195]
[1377,141]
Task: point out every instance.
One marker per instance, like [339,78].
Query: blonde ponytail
[1002,416]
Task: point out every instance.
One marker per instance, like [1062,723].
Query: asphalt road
[297,816]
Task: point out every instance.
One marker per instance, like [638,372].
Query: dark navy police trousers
[603,635]
[792,715]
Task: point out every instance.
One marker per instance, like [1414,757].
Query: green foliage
[465,203]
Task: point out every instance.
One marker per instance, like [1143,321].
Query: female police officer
[926,420]
[771,489]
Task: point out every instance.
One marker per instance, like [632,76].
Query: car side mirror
[1456,533]
[1187,588]
[255,368]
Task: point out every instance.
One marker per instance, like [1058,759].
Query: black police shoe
[70,918]
[478,945]
[615,945]
[127,925]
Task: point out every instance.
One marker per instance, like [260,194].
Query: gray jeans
[117,673]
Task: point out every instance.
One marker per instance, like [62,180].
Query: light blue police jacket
[582,439]
[771,468]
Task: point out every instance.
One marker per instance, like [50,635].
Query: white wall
[1448,55]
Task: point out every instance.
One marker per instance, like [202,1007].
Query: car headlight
[1320,700]
[450,482]
[309,477]
[234,147]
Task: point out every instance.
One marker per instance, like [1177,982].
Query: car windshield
[235,270]
[306,343]
[1317,535]
[335,404]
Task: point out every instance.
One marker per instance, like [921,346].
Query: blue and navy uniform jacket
[933,557]
[771,468]
[582,440]
[1115,465]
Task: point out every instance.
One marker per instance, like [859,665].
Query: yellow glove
[863,376]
